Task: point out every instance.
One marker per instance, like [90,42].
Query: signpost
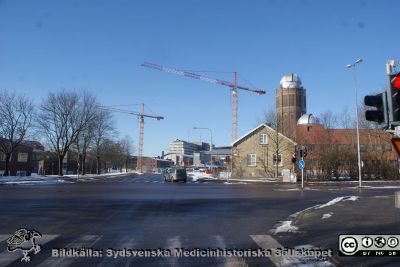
[301,166]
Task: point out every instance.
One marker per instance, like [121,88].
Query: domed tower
[290,104]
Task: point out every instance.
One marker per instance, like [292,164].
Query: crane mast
[234,87]
[141,117]
[140,148]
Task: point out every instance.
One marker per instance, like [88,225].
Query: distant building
[183,153]
[219,156]
[149,164]
[181,147]
[262,152]
[290,104]
[180,159]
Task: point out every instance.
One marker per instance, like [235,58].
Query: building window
[263,139]
[277,160]
[22,157]
[251,160]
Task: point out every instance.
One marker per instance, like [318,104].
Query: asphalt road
[144,212]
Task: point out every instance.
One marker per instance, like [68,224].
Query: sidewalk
[321,225]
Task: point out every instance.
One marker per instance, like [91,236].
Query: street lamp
[353,66]
[202,128]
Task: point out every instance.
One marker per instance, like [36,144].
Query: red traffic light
[396,81]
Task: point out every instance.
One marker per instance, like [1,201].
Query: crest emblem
[24,240]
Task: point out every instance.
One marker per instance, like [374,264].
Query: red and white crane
[234,87]
[141,117]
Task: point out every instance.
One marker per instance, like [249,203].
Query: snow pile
[327,215]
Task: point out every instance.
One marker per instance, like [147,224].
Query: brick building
[332,153]
[25,160]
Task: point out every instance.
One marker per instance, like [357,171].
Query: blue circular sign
[301,164]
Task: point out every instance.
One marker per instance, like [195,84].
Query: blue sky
[99,46]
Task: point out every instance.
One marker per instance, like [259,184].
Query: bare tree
[112,154]
[82,145]
[62,117]
[276,139]
[101,131]
[328,119]
[16,112]
[128,149]
[346,120]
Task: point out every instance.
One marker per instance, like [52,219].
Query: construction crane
[141,117]
[234,87]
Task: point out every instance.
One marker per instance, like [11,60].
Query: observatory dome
[291,80]
[307,119]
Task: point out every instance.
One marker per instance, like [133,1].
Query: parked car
[175,175]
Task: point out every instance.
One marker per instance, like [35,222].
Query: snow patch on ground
[235,183]
[296,189]
[31,180]
[337,200]
[307,261]
[327,215]
[285,226]
[381,187]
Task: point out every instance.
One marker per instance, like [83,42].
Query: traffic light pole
[302,175]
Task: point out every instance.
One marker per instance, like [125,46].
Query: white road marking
[86,241]
[172,244]
[268,242]
[229,261]
[7,257]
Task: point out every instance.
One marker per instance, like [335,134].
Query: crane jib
[200,77]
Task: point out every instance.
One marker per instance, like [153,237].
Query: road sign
[301,164]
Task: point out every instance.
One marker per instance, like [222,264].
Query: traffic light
[304,151]
[380,114]
[394,102]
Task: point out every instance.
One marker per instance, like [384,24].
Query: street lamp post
[353,66]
